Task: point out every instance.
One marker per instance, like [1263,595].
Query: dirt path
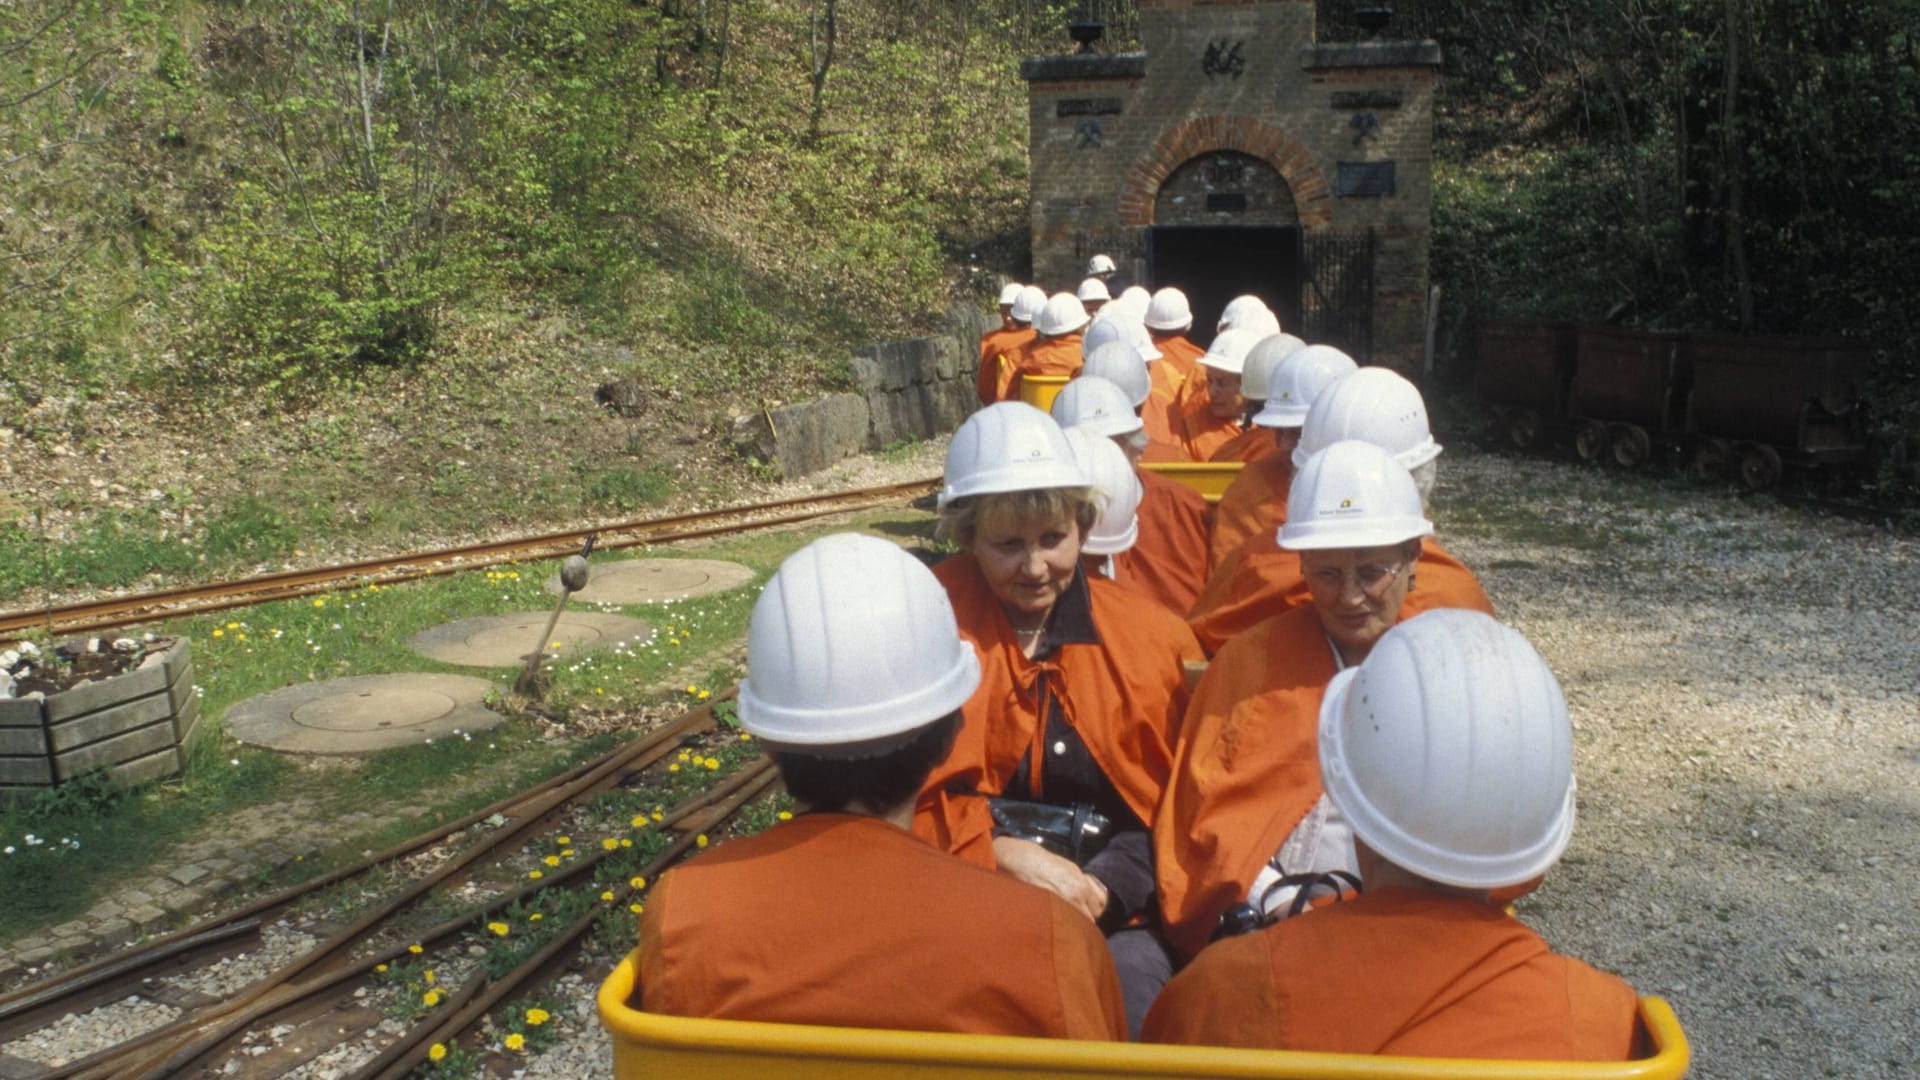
[1745,685]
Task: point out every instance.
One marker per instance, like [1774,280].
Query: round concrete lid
[655,581]
[507,640]
[363,713]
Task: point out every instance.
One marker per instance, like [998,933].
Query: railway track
[129,610]
[414,951]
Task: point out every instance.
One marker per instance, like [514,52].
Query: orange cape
[1125,696]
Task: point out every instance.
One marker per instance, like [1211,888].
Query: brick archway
[1185,141]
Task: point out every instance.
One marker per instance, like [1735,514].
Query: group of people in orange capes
[1263,774]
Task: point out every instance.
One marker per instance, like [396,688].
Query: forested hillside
[281,213]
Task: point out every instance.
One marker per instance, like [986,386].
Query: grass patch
[624,488]
[115,835]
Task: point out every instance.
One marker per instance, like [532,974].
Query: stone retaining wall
[904,391]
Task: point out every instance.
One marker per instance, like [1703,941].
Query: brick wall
[1105,131]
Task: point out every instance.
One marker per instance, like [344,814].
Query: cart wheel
[1631,446]
[1712,461]
[1590,441]
[1760,468]
[1523,428]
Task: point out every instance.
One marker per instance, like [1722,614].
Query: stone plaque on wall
[1364,179]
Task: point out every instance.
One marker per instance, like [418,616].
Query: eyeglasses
[1372,579]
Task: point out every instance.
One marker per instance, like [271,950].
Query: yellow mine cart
[1040,390]
[1209,478]
[647,1046]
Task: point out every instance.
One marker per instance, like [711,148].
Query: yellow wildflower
[639,821]
[428,976]
[692,689]
[657,815]
[564,841]
[625,843]
[700,841]
[233,626]
[713,763]
[636,908]
[638,883]
[320,602]
[610,844]
[515,1042]
[499,928]
[380,968]
[431,997]
[536,1017]
[675,767]
[705,694]
[217,632]
[535,917]
[438,1051]
[786,815]
[535,875]
[568,853]
[415,949]
[551,860]
[607,896]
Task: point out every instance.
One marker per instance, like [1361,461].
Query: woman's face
[1028,564]
[1224,390]
[1358,592]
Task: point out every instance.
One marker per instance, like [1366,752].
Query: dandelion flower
[437,1051]
[320,603]
[535,875]
[551,860]
[515,1042]
[713,763]
[639,821]
[568,853]
[233,626]
[675,767]
[428,976]
[380,968]
[705,694]
[217,632]
[610,844]
[692,689]
[607,896]
[744,737]
[415,949]
[625,843]
[700,841]
[636,908]
[564,841]
[638,883]
[786,815]
[535,917]
[499,928]
[431,997]
[536,1017]
[657,815]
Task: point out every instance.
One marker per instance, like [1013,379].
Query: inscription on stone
[1223,58]
[1106,106]
[1364,179]
[1366,99]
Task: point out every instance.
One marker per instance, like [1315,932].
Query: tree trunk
[822,26]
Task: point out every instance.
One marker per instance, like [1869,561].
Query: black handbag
[1077,833]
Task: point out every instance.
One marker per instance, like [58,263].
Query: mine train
[1717,406]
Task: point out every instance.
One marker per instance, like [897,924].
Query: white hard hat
[1240,310]
[1136,294]
[1010,292]
[1374,405]
[1090,401]
[1168,310]
[1118,363]
[1101,264]
[1093,289]
[1063,314]
[1008,446]
[1113,476]
[1229,350]
[1265,356]
[1353,495]
[1450,752]
[852,643]
[1263,322]
[1027,305]
[1298,380]
[1115,323]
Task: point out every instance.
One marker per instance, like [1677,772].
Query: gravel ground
[1745,685]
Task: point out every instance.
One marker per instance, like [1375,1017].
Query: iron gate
[1336,290]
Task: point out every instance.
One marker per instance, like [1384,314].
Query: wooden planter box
[133,725]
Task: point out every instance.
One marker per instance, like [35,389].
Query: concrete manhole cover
[654,581]
[505,640]
[362,713]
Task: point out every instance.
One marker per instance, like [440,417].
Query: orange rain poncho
[848,921]
[1400,971]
